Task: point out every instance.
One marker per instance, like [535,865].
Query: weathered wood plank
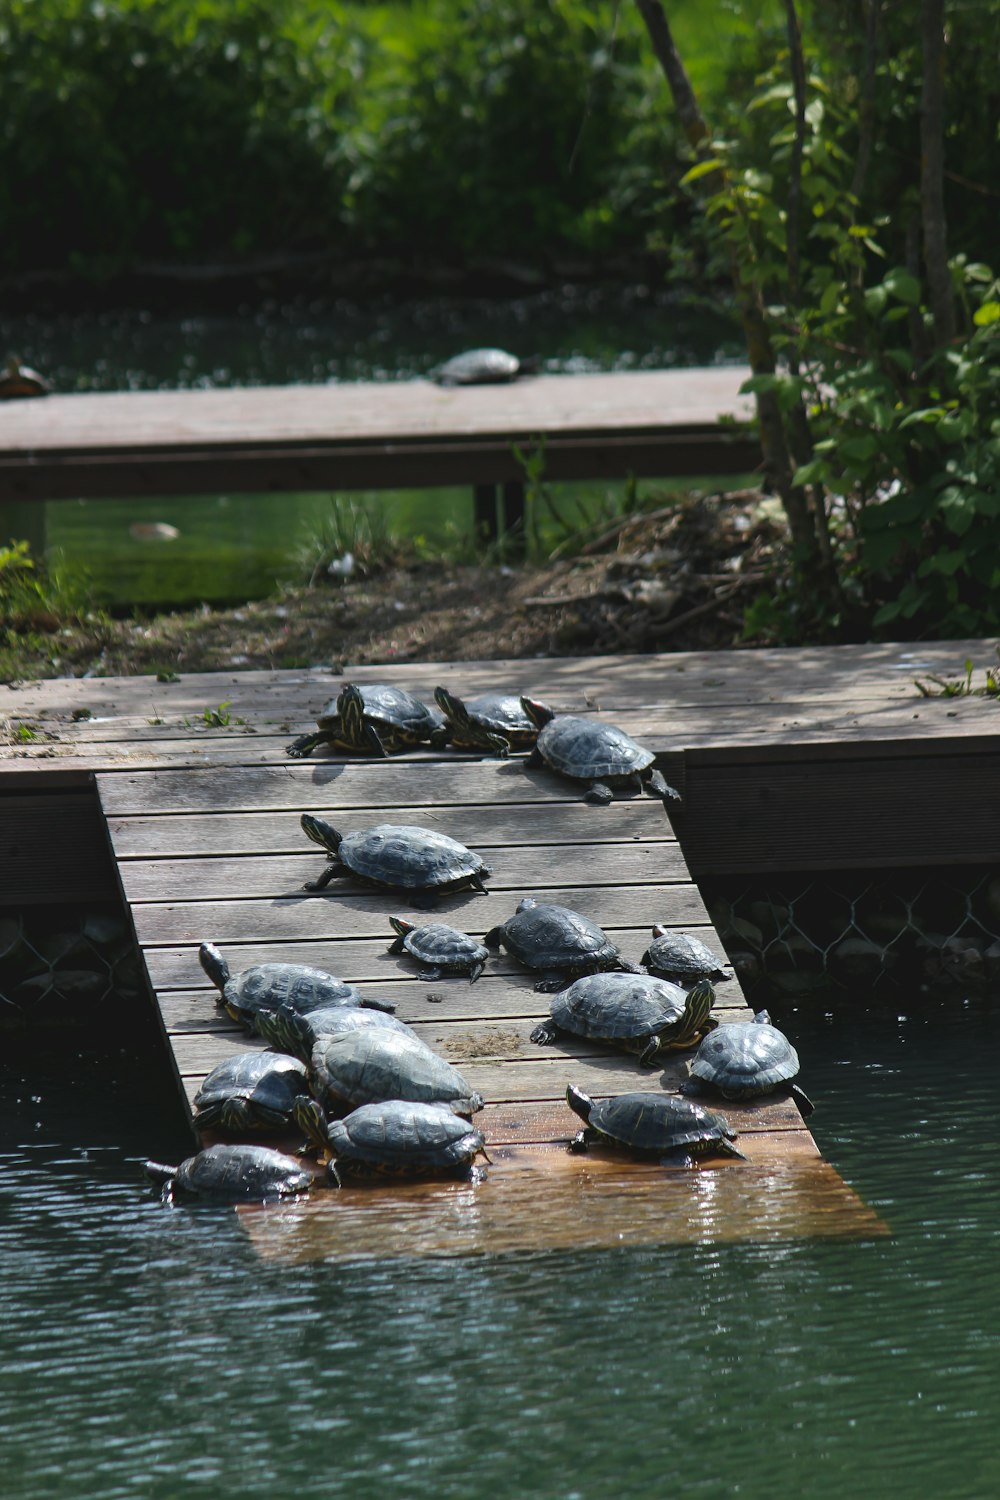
[626,913]
[526,870]
[150,836]
[447,1002]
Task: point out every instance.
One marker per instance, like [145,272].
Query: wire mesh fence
[822,934]
[65,963]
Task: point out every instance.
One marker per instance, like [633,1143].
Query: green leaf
[860,447]
[701,169]
[987,314]
[901,284]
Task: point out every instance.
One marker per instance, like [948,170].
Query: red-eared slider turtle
[252,1091]
[290,1031]
[744,1059]
[376,719]
[370,1067]
[439,949]
[482,367]
[681,957]
[557,941]
[590,751]
[634,1012]
[400,1139]
[267,986]
[419,861]
[495,722]
[661,1125]
[18,381]
[233,1174]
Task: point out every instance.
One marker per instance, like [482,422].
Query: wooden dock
[365,436]
[203,824]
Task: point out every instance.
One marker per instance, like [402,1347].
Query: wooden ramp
[218,854]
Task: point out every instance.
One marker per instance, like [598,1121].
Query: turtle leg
[657,787]
[237,1117]
[550,984]
[677,1158]
[599,793]
[545,1032]
[305,744]
[396,946]
[430,972]
[579,1142]
[476,971]
[332,869]
[535,759]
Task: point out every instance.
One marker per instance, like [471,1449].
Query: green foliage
[352,538]
[904,454]
[143,128]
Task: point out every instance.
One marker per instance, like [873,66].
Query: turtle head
[580,1103]
[659,930]
[321,832]
[355,730]
[401,926]
[762,1018]
[287,1029]
[451,707]
[539,713]
[215,966]
[698,1007]
[310,1117]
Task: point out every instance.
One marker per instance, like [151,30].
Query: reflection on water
[150,1352]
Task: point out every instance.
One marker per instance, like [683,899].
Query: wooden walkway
[364,436]
[203,821]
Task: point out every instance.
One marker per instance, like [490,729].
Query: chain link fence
[870,932]
[65,964]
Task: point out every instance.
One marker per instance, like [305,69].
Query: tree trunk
[781,455]
[932,172]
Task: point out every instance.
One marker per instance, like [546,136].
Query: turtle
[377,719]
[557,941]
[634,1012]
[399,1138]
[439,949]
[420,861]
[496,722]
[681,957]
[482,367]
[250,1091]
[661,1125]
[745,1059]
[372,1066]
[266,986]
[233,1174]
[589,750]
[291,1031]
[18,381]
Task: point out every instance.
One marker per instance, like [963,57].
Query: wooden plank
[356,435]
[548,1199]
[627,915]
[153,837]
[495,997]
[527,870]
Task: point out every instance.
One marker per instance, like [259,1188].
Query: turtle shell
[410,858]
[268,986]
[298,1034]
[391,709]
[588,750]
[250,1091]
[234,1174]
[618,1008]
[681,956]
[402,1139]
[500,714]
[441,947]
[549,937]
[655,1123]
[745,1058]
[478,367]
[370,1066]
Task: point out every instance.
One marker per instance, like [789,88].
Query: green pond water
[146,1352]
[231,547]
